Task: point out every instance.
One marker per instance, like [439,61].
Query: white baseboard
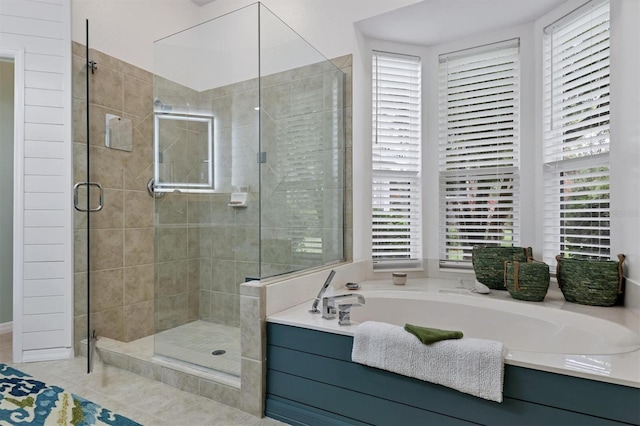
[47,354]
[6,327]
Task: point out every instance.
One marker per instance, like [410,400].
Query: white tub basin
[524,327]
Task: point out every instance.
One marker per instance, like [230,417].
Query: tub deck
[600,360]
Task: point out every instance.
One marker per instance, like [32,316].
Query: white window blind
[479,133]
[396,217]
[576,138]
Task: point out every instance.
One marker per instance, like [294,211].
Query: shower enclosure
[248,177]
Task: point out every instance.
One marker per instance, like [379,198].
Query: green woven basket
[591,282]
[488,263]
[527,281]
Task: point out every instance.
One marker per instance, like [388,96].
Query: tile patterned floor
[194,342]
[146,401]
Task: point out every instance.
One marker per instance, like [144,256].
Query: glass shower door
[87,199]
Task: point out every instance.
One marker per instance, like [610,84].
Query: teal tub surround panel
[311,380]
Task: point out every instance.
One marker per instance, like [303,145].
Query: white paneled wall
[43,326]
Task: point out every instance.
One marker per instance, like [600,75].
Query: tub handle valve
[344,313]
[329,310]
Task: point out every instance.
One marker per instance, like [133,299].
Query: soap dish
[352,286]
[238,199]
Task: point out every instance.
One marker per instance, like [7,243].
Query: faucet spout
[329,304]
[358,296]
[314,308]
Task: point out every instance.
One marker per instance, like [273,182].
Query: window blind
[576,138]
[396,213]
[479,133]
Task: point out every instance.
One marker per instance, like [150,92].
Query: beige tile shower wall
[178,263]
[303,119]
[122,255]
[198,235]
[229,236]
[205,249]
[177,230]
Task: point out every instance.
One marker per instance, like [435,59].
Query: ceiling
[432,22]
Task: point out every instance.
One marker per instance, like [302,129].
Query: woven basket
[591,282]
[527,281]
[488,263]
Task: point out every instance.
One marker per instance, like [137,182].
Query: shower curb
[221,389]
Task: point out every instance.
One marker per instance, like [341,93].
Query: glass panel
[249,174]
[206,102]
[86,197]
[302,136]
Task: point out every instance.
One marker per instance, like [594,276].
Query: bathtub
[549,335]
[573,342]
[522,327]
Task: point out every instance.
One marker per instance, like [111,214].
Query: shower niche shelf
[238,200]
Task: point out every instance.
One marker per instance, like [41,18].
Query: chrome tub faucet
[344,309]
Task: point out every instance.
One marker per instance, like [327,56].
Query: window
[576,138]
[479,111]
[396,218]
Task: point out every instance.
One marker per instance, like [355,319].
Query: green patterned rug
[27,401]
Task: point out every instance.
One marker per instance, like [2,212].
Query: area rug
[25,400]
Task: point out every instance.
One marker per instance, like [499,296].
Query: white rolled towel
[472,366]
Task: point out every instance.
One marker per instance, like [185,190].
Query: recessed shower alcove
[236,173]
[242,105]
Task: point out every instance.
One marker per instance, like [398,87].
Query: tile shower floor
[144,400]
[194,343]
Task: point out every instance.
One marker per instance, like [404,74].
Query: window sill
[455,270]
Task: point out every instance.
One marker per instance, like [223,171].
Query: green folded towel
[431,335]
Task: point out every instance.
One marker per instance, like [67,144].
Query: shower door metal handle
[77,186]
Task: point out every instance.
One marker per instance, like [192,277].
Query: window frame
[396,161]
[493,71]
[576,138]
